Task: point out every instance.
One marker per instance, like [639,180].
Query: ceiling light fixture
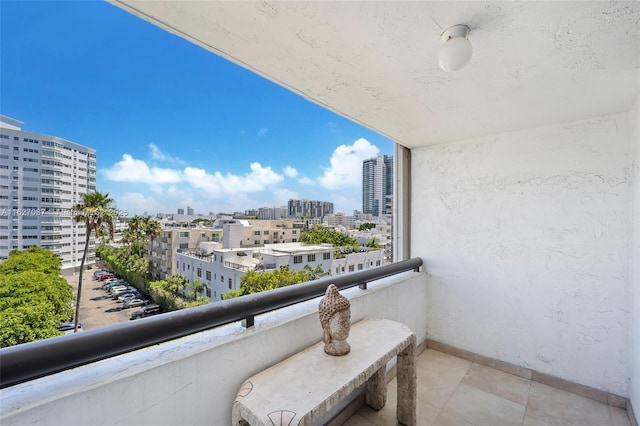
[456,51]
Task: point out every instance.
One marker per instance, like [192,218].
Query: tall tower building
[377,185]
[41,178]
[309,208]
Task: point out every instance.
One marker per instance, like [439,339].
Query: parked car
[116,294]
[115,288]
[131,303]
[128,296]
[112,284]
[145,312]
[97,274]
[70,325]
[105,276]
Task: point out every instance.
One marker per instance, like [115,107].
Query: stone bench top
[302,388]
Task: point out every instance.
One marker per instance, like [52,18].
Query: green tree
[320,235]
[152,229]
[366,226]
[255,282]
[94,211]
[34,259]
[34,299]
[315,273]
[195,289]
[373,243]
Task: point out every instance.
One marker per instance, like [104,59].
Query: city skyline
[173,125]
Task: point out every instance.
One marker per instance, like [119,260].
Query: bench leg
[376,389]
[407,382]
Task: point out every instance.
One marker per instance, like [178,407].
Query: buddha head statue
[335,319]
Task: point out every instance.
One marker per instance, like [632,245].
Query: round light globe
[455,54]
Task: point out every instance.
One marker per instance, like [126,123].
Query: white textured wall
[635,264]
[526,238]
[194,380]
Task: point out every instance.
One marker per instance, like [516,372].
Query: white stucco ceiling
[534,63]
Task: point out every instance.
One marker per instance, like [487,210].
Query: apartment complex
[41,178]
[268,213]
[229,233]
[377,185]
[309,208]
[220,269]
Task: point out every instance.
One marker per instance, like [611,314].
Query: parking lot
[97,309]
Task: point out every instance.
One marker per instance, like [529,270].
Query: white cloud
[346,165]
[306,181]
[217,184]
[157,154]
[263,131]
[137,203]
[293,174]
[131,170]
[283,195]
[290,172]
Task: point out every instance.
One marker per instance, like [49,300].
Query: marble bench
[303,388]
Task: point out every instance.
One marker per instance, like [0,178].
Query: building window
[377,263]
[184,245]
[256,232]
[207,275]
[326,256]
[359,266]
[297,259]
[207,291]
[256,242]
[311,258]
[351,268]
[199,272]
[221,278]
[230,285]
[266,232]
[183,266]
[183,234]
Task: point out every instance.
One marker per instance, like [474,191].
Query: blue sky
[173,125]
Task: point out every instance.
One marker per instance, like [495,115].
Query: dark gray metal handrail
[29,361]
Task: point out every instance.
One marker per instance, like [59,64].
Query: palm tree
[152,229]
[95,212]
[196,288]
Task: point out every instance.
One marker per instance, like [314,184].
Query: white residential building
[41,178]
[220,269]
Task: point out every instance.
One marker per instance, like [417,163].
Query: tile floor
[456,392]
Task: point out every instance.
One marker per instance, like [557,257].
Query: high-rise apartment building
[309,208]
[41,178]
[377,185]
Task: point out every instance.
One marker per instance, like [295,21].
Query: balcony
[518,184]
[157,382]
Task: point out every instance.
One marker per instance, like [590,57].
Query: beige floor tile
[571,408]
[533,417]
[357,420]
[482,408]
[498,383]
[425,413]
[446,418]
[438,376]
[619,416]
[385,417]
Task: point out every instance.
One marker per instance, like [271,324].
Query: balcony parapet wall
[194,379]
